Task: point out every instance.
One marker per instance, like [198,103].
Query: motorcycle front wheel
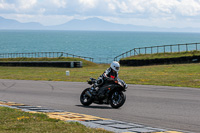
[117,99]
[85,99]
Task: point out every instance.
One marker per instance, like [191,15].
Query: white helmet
[115,66]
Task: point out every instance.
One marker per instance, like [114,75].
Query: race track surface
[157,106]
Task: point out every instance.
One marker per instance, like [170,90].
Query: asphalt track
[157,106]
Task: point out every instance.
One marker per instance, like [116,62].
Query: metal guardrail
[43,54]
[159,49]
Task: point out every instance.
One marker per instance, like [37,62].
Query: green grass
[16,121]
[85,62]
[184,75]
[163,55]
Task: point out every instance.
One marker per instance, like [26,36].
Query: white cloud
[60,3]
[26,4]
[17,5]
[178,7]
[134,7]
[124,11]
[189,7]
[111,6]
[5,6]
[88,3]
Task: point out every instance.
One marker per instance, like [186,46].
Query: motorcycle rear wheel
[85,99]
[117,99]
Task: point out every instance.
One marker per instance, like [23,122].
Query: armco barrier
[179,60]
[67,64]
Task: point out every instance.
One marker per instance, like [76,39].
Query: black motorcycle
[109,93]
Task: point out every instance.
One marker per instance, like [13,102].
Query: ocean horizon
[103,46]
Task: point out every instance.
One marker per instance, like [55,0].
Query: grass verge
[16,121]
[85,62]
[181,75]
[163,55]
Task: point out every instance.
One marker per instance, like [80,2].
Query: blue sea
[103,46]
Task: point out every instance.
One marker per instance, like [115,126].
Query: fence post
[139,50]
[134,51]
[164,49]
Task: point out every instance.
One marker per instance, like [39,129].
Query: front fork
[90,91]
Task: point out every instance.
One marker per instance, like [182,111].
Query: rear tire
[117,99]
[85,99]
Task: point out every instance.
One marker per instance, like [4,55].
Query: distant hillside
[99,25]
[13,24]
[91,24]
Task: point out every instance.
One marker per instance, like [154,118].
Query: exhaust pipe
[88,93]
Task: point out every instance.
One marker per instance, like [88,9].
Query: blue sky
[160,13]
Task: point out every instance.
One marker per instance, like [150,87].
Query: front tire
[117,99]
[85,99]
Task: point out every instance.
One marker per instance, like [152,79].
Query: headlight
[120,84]
[126,86]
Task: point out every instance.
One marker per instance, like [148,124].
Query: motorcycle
[109,93]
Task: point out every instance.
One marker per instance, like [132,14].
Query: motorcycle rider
[110,75]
